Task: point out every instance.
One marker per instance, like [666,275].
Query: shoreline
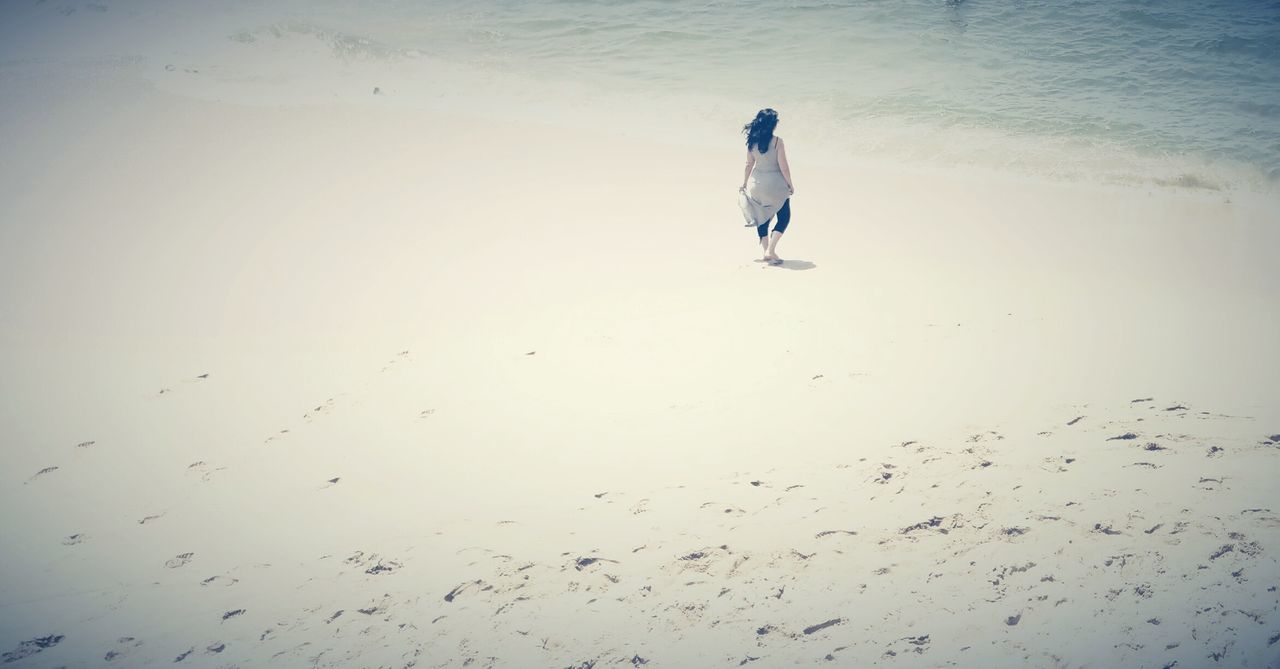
[290,63]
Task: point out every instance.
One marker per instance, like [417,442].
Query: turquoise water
[1135,92]
[1194,83]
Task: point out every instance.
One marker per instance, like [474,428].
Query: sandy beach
[383,381]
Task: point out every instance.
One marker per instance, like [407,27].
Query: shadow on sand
[794,264]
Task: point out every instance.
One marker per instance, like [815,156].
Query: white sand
[515,361]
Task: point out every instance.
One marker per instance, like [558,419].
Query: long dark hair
[759,131]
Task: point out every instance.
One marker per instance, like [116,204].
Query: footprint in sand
[321,408]
[1056,464]
[179,560]
[934,523]
[196,379]
[909,644]
[402,356]
[42,472]
[453,594]
[31,647]
[582,563]
[203,470]
[125,646]
[278,435]
[376,608]
[224,581]
[382,568]
[376,564]
[813,629]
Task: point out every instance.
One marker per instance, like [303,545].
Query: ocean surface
[1049,86]
[1175,93]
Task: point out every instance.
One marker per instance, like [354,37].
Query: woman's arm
[782,165]
[751,162]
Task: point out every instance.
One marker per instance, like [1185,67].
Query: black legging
[784,217]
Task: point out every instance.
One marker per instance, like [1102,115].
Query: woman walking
[766,184]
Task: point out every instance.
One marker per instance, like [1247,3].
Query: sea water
[1175,93]
[1121,90]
